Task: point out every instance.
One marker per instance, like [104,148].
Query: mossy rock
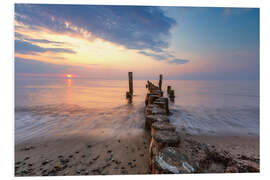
[171,161]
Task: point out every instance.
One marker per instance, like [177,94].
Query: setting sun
[68,75]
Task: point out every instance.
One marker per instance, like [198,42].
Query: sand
[124,154]
[84,155]
[235,144]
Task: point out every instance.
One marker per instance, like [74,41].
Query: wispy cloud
[157,56]
[165,56]
[179,61]
[25,47]
[45,41]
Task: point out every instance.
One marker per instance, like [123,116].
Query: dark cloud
[25,47]
[45,41]
[179,61]
[135,27]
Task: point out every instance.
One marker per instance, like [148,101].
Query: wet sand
[124,154]
[84,155]
[237,145]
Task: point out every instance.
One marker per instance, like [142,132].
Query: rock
[171,161]
[27,148]
[45,162]
[152,98]
[161,126]
[167,137]
[64,161]
[149,119]
[96,158]
[155,110]
[231,169]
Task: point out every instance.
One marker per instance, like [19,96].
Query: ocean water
[47,107]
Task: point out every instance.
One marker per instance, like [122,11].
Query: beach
[126,155]
[83,156]
[61,130]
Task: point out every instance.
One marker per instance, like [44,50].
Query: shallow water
[51,107]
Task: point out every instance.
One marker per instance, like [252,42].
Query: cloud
[179,61]
[165,56]
[37,67]
[160,56]
[45,41]
[135,27]
[24,47]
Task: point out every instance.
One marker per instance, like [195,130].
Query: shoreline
[235,144]
[125,154]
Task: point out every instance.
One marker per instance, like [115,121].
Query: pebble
[89,146]
[96,158]
[45,162]
[27,148]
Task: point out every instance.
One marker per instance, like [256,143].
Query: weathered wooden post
[169,89]
[172,94]
[130,83]
[160,82]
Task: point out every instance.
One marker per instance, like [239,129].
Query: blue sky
[180,42]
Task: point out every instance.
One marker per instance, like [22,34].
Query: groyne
[170,152]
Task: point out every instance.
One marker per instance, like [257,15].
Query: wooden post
[160,81]
[130,79]
[168,89]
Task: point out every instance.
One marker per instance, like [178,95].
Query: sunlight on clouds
[92,51]
[96,51]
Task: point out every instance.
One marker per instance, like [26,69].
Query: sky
[106,42]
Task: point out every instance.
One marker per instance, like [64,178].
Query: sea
[46,106]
